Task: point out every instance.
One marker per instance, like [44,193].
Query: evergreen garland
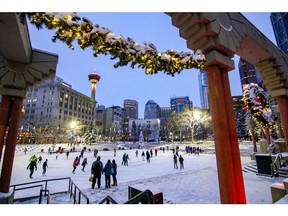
[257,105]
[102,41]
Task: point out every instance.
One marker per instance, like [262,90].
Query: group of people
[32,166]
[181,161]
[109,169]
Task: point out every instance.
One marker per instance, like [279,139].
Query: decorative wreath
[257,105]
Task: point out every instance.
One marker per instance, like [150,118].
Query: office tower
[280,26]
[151,110]
[179,103]
[131,107]
[203,89]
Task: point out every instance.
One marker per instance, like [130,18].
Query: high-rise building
[203,89]
[151,110]
[280,26]
[179,103]
[248,73]
[56,101]
[131,107]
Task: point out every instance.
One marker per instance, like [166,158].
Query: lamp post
[73,127]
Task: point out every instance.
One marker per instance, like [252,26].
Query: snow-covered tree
[90,134]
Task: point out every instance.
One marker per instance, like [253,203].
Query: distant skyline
[122,83]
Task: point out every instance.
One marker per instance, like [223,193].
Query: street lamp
[73,126]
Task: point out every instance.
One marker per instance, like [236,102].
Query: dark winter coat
[32,165]
[97,167]
[107,169]
[114,165]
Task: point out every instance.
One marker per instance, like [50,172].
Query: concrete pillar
[282,105]
[234,145]
[227,184]
[4,110]
[10,145]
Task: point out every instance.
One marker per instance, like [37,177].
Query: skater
[25,150]
[151,153]
[44,166]
[40,159]
[95,153]
[143,155]
[181,160]
[82,153]
[107,171]
[33,158]
[123,158]
[114,165]
[32,165]
[136,153]
[96,170]
[126,160]
[148,156]
[67,154]
[84,163]
[75,164]
[156,150]
[114,152]
[175,161]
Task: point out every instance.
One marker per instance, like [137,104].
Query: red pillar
[10,145]
[283,104]
[237,166]
[4,110]
[227,184]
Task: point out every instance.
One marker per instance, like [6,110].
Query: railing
[145,197]
[48,196]
[73,194]
[278,159]
[108,200]
[16,187]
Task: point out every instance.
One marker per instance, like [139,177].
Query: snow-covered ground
[197,183]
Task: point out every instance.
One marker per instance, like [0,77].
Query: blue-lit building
[179,103]
[280,26]
[203,89]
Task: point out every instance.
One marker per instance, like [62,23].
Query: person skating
[126,160]
[32,165]
[33,158]
[123,158]
[148,156]
[44,166]
[67,154]
[143,156]
[175,161]
[181,161]
[75,164]
[96,171]
[84,163]
[114,165]
[40,159]
[107,172]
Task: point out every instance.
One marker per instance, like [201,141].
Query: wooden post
[4,110]
[10,145]
[234,145]
[227,184]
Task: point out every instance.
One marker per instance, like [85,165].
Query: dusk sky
[122,83]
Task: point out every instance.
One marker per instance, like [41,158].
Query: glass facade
[280,26]
[203,89]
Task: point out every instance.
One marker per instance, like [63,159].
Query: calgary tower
[94,79]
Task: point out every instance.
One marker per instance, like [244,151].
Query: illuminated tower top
[94,79]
